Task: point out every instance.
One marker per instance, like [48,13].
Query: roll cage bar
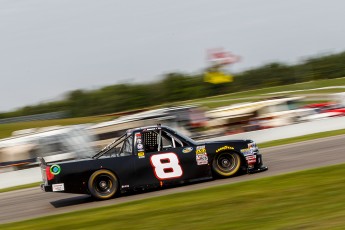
[117,141]
[111,145]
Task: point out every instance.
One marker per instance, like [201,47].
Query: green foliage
[38,109]
[178,87]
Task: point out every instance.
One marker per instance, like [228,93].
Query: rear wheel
[226,164]
[103,184]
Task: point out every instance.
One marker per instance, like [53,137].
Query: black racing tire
[103,184]
[226,164]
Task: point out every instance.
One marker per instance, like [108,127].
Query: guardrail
[26,176]
[294,130]
[20,177]
[36,117]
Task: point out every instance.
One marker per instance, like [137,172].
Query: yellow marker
[217,77]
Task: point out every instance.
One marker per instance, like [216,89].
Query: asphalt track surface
[31,203]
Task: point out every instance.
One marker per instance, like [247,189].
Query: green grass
[302,138]
[255,95]
[20,187]
[312,199]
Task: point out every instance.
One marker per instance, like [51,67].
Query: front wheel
[103,184]
[226,164]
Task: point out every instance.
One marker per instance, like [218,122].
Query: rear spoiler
[43,163]
[44,170]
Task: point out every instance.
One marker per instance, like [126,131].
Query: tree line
[174,87]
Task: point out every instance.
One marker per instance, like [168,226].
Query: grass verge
[20,187]
[302,138]
[255,95]
[312,199]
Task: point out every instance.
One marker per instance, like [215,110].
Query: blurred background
[76,74]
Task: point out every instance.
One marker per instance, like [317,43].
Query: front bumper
[256,170]
[258,166]
[46,188]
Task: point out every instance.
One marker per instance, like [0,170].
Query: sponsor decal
[55,169]
[251,159]
[224,148]
[247,151]
[139,141]
[125,186]
[202,159]
[58,187]
[187,150]
[201,155]
[138,135]
[140,146]
[201,149]
[141,154]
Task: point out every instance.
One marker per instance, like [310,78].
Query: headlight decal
[252,148]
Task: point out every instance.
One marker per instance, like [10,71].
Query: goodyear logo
[224,148]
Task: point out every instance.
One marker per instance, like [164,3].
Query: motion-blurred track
[30,203]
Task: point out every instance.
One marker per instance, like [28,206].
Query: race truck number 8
[166,166]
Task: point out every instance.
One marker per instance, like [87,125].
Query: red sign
[221,57]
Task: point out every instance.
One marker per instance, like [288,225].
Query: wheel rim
[227,162]
[103,184]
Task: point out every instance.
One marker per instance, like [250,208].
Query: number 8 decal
[166,166]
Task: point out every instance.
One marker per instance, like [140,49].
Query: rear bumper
[46,188]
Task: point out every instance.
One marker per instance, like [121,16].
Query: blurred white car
[54,144]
